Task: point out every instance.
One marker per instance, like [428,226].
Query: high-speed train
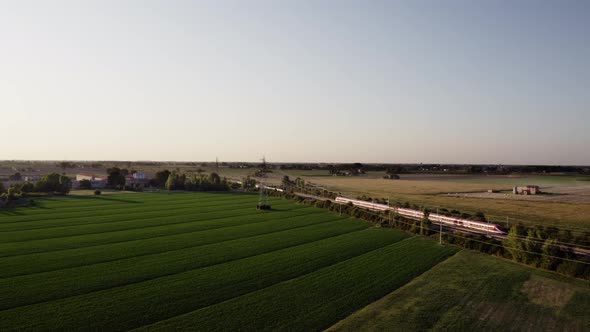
[478,226]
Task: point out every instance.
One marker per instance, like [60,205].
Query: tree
[199,182]
[480,216]
[248,183]
[299,182]
[54,183]
[115,178]
[551,252]
[514,245]
[15,177]
[214,178]
[2,189]
[85,184]
[425,223]
[171,181]
[27,187]
[175,181]
[65,165]
[533,244]
[161,177]
[286,182]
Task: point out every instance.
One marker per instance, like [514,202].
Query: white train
[478,226]
[270,188]
[364,204]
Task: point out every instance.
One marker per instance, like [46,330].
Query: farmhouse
[31,178]
[138,176]
[97,181]
[526,190]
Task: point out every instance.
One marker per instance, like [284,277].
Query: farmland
[474,292]
[166,261]
[432,192]
[568,209]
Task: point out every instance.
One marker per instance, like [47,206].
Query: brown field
[561,194]
[571,209]
[428,193]
[570,206]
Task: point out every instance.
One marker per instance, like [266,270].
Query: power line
[562,244]
[559,244]
[487,243]
[580,229]
[574,230]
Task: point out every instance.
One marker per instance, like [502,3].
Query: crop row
[76,202]
[63,283]
[142,220]
[125,211]
[317,300]
[72,203]
[132,306]
[44,209]
[123,218]
[201,233]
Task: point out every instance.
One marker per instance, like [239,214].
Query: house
[136,180]
[31,178]
[526,190]
[139,176]
[97,181]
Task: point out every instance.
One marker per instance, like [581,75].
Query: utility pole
[439,229]
[389,210]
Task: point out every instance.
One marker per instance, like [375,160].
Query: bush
[97,192]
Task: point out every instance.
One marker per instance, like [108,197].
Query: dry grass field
[572,214]
[570,208]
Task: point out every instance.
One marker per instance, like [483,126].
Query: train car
[466,223]
[409,213]
[477,226]
[363,204]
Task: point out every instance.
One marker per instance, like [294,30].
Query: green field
[195,261]
[475,292]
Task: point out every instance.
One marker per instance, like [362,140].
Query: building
[526,190]
[31,178]
[137,180]
[97,181]
[139,176]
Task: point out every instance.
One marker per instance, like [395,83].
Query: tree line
[53,183]
[538,246]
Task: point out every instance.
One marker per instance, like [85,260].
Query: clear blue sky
[370,81]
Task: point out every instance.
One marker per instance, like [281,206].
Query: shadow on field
[10,212]
[104,198]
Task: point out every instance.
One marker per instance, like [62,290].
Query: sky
[498,82]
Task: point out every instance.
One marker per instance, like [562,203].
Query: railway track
[445,226]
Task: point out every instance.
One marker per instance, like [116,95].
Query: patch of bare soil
[579,194]
[547,292]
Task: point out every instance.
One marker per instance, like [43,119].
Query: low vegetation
[475,292]
[121,262]
[172,260]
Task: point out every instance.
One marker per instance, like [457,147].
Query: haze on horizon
[335,81]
